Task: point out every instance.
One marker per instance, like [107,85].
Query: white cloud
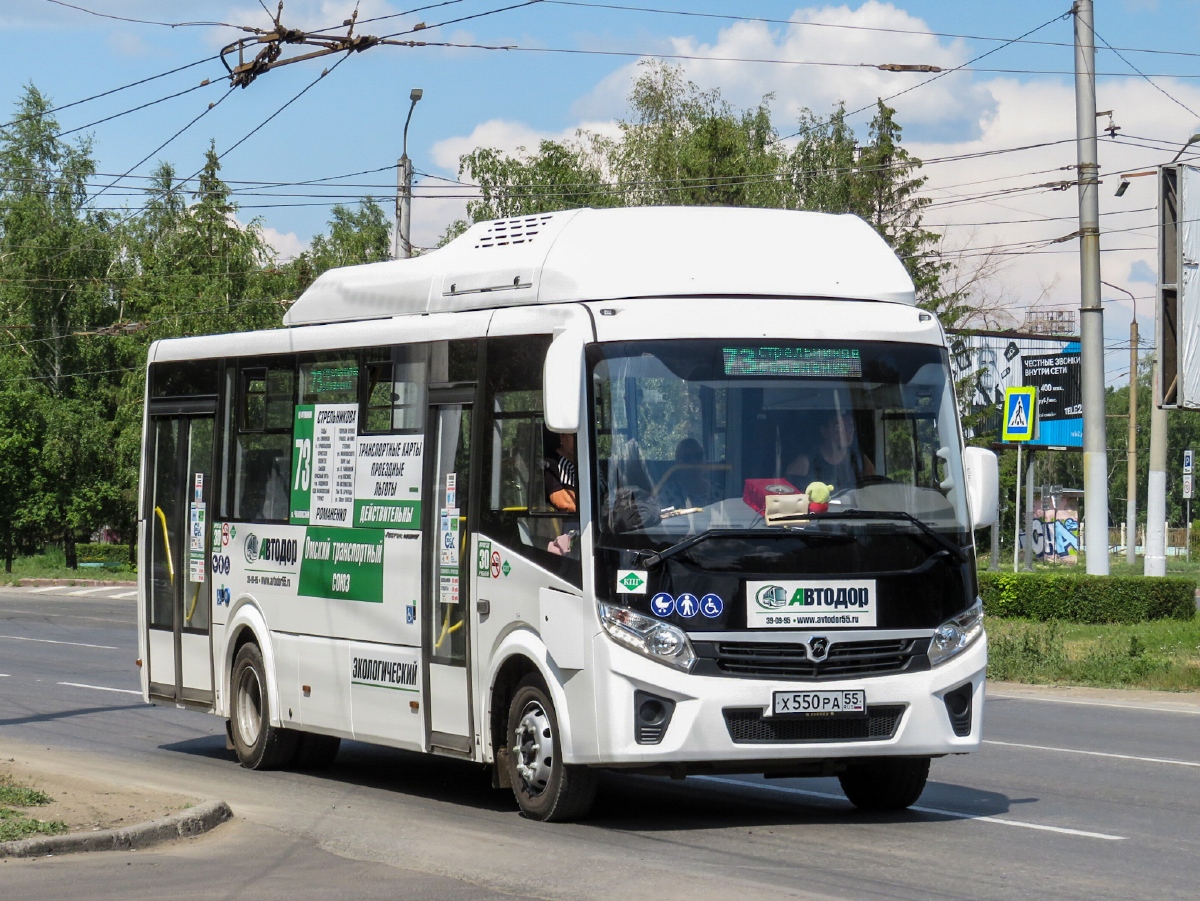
[287,246]
[509,137]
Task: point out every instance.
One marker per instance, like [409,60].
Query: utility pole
[402,249]
[1091,332]
[1156,485]
[1131,470]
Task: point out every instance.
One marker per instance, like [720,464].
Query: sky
[570,65]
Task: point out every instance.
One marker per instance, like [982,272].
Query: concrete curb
[185,824]
[75,583]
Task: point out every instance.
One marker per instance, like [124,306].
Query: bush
[102,553]
[1087,599]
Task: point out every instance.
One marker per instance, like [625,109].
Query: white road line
[125,595]
[124,691]
[44,588]
[75,644]
[957,814]
[1097,703]
[5,676]
[1014,744]
[76,594]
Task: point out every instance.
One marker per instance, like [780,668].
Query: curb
[76,583]
[185,824]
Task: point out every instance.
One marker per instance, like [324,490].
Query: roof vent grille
[512,231]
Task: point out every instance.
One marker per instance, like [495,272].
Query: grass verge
[14,822]
[53,565]
[1163,655]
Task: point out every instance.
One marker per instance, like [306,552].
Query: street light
[403,243]
[1190,141]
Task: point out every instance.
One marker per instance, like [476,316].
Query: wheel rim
[533,748]
[249,707]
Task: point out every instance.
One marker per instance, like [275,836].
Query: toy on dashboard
[818,497]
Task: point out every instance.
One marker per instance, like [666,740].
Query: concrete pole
[1156,487]
[1091,332]
[1131,471]
[994,556]
[1028,567]
[399,214]
[406,175]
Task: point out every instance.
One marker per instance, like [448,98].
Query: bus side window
[262,460]
[394,390]
[515,511]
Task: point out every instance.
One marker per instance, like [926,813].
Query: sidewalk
[1178,702]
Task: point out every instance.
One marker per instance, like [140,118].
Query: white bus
[663,490]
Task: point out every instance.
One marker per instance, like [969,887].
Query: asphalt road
[1067,800]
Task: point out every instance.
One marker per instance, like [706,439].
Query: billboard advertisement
[989,362]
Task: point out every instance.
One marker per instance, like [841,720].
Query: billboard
[989,362]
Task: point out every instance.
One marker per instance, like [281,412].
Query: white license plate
[847,702]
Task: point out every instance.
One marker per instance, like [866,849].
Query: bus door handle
[483,607]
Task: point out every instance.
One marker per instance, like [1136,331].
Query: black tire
[885,783]
[316,752]
[546,789]
[259,745]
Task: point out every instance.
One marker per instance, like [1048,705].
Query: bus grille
[846,659]
[748,725]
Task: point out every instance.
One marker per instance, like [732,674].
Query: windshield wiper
[897,516]
[657,557]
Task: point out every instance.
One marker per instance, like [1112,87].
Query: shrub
[1087,599]
[102,553]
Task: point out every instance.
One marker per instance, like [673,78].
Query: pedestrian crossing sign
[1019,407]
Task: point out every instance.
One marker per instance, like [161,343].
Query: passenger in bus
[562,475]
[689,482]
[837,460]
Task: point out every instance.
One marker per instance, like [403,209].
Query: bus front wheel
[259,745]
[885,783]
[546,788]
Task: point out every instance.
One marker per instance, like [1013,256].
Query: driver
[837,460]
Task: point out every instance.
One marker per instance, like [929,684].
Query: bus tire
[259,745]
[316,752]
[886,783]
[546,789]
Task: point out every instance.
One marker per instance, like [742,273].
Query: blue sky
[351,120]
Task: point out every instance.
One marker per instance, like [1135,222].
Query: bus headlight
[647,636]
[957,634]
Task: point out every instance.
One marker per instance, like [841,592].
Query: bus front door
[447,569]
[177,533]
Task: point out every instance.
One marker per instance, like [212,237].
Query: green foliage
[1087,599]
[14,824]
[103,553]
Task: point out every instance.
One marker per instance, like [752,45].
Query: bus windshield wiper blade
[658,556]
[898,516]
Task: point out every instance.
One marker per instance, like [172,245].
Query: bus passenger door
[447,570]
[178,535]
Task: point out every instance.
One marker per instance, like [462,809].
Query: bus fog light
[957,634]
[647,636]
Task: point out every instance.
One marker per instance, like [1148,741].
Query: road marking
[957,814]
[45,588]
[124,691]
[5,676]
[1013,744]
[75,644]
[76,594]
[125,595]
[1084,703]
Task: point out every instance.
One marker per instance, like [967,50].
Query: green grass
[14,822]
[1162,655]
[53,565]
[1176,566]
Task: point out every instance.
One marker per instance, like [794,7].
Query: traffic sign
[1019,416]
[1187,462]
[1187,487]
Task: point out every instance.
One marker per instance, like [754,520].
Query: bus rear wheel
[546,788]
[886,783]
[259,745]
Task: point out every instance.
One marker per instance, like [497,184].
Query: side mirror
[562,381]
[982,471]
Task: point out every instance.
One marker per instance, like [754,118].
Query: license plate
[847,702]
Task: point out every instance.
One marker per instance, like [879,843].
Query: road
[1067,800]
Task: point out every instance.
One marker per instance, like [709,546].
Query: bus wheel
[545,787]
[259,745]
[885,783]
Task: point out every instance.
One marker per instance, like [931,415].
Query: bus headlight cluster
[648,636]
[957,634]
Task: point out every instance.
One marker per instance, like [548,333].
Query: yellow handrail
[167,542]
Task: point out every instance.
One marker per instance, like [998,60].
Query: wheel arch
[521,654]
[247,624]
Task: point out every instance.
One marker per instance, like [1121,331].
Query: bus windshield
[693,435]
